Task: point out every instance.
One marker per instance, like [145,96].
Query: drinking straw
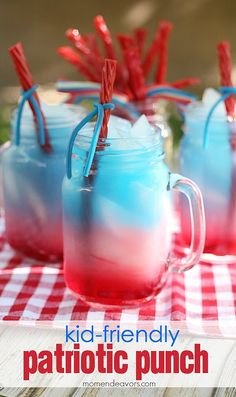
[225,64]
[83,90]
[107,84]
[166,91]
[108,78]
[140,35]
[136,76]
[70,55]
[102,111]
[27,83]
[165,30]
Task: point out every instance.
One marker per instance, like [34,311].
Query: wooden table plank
[95,392]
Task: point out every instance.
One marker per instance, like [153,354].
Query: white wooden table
[168,392]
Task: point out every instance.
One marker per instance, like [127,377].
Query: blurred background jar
[32,179]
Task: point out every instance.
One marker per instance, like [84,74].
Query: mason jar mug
[118,220]
[32,180]
[212,168]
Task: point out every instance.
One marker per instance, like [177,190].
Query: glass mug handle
[198,226]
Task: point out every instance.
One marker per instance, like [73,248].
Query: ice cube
[142,128]
[143,133]
[118,127]
[119,132]
[210,97]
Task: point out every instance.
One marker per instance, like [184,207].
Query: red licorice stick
[183,83]
[151,53]
[165,29]
[125,41]
[122,79]
[108,79]
[26,81]
[136,77]
[22,68]
[140,35]
[80,43]
[91,41]
[225,64]
[75,38]
[73,57]
[105,35]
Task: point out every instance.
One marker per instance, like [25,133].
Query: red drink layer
[116,268]
[32,239]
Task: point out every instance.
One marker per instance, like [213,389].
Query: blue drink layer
[211,168]
[32,180]
[134,187]
[117,221]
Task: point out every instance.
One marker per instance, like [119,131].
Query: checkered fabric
[31,291]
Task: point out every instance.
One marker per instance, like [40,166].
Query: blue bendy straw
[27,96]
[170,90]
[226,93]
[81,87]
[99,111]
[75,86]
[128,107]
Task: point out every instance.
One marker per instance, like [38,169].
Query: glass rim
[51,121]
[200,113]
[127,153]
[156,133]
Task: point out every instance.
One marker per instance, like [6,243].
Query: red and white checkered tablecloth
[206,292]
